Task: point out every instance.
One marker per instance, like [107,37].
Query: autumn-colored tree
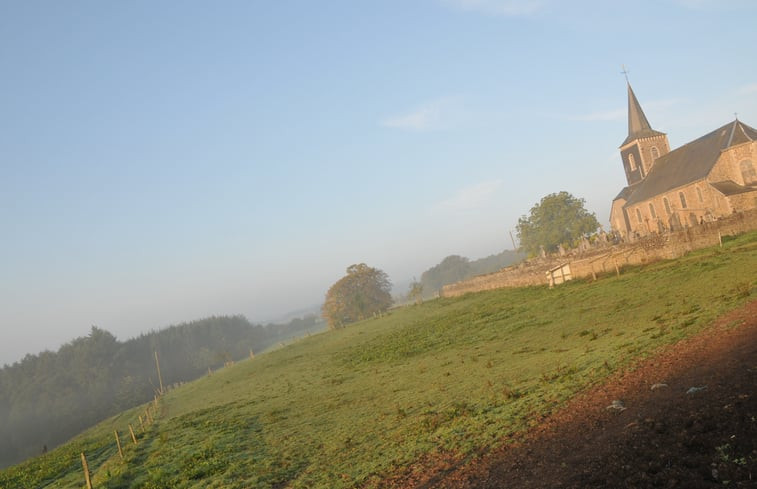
[363,292]
[558,219]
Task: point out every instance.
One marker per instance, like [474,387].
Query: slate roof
[729,187]
[691,162]
[624,193]
[638,125]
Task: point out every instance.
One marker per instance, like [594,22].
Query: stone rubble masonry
[604,260]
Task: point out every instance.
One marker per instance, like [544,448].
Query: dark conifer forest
[47,398]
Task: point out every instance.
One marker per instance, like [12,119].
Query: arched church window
[683,200]
[651,211]
[638,215]
[667,206]
[748,173]
[655,153]
[631,162]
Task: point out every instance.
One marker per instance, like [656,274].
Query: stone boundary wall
[610,258]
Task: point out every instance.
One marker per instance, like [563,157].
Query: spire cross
[625,72]
[736,115]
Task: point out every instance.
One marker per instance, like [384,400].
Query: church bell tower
[643,144]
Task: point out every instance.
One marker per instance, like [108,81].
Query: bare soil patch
[697,428]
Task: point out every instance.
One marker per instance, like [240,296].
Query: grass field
[350,407]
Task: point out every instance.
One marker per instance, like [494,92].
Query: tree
[453,268]
[558,219]
[363,292]
[415,292]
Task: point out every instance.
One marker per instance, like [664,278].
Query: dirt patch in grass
[685,418]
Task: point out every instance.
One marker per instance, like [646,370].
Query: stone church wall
[747,200]
[727,167]
[610,259]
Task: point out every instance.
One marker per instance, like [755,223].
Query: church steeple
[638,125]
[643,145]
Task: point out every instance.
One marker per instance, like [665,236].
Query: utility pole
[513,240]
[160,378]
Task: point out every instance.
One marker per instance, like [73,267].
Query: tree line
[559,219]
[47,398]
[366,291]
[455,268]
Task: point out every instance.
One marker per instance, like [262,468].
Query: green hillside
[349,408]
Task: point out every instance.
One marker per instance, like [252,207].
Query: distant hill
[455,268]
[47,398]
[307,311]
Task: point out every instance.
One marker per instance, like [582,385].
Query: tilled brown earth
[686,418]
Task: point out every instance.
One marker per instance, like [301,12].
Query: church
[706,179]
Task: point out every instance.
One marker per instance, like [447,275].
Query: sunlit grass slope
[350,407]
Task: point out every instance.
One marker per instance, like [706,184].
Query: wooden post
[85,467]
[617,270]
[133,436]
[160,378]
[252,355]
[155,401]
[141,424]
[720,239]
[118,444]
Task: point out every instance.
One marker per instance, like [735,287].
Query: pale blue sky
[165,161]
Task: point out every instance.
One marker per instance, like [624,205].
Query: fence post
[160,378]
[85,467]
[133,436]
[118,444]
